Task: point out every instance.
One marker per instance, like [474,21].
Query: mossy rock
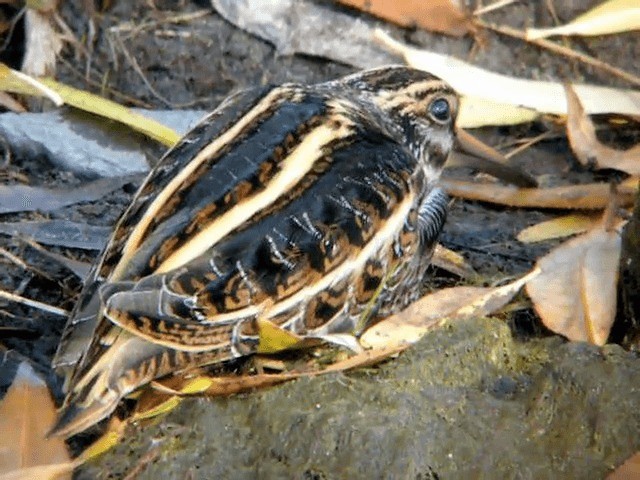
[468,401]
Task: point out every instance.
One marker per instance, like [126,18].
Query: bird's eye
[439,110]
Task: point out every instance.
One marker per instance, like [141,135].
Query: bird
[311,208]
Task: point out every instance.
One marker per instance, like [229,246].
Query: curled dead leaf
[575,293]
[452,262]
[42,44]
[585,145]
[432,310]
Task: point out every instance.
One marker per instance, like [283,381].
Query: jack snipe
[312,207]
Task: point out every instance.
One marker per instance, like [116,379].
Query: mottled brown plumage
[311,207]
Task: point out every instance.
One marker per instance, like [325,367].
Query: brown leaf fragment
[585,145]
[449,304]
[441,16]
[575,293]
[10,103]
[592,196]
[26,414]
[452,262]
[628,470]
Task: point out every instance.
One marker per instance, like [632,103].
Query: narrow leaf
[275,339]
[557,228]
[26,198]
[612,16]
[16,82]
[108,109]
[592,196]
[106,442]
[62,233]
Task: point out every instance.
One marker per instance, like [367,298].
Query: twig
[552,11]
[528,143]
[132,28]
[554,47]
[146,459]
[494,6]
[18,261]
[136,67]
[33,303]
[12,25]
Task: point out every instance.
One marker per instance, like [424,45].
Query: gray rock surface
[85,144]
[468,401]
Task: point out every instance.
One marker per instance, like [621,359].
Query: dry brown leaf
[575,293]
[441,16]
[57,471]
[585,145]
[432,310]
[629,470]
[560,227]
[593,196]
[27,413]
[612,16]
